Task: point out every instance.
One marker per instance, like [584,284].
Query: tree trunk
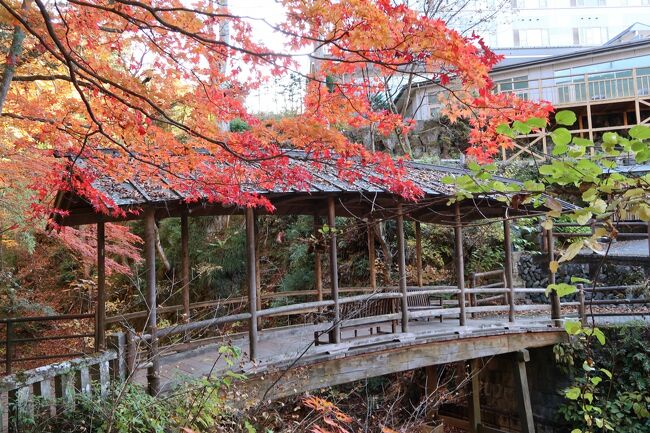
[12,57]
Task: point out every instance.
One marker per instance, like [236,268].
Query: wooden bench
[361,313]
[425,301]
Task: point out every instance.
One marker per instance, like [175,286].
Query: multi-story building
[557,23]
[608,87]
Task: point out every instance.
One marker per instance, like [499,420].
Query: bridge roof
[362,197]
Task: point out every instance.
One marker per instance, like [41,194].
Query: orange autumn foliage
[140,89]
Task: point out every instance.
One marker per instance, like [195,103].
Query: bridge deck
[428,343]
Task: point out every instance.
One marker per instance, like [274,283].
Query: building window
[529,4]
[592,35]
[517,85]
[530,37]
[588,3]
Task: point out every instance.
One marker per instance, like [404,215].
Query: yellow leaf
[572,251]
[553,266]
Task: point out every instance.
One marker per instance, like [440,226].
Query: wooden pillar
[522,392]
[100,313]
[258,275]
[418,252]
[474,399]
[335,333]
[318,266]
[372,255]
[153,372]
[460,265]
[401,253]
[507,268]
[555,300]
[252,282]
[185,266]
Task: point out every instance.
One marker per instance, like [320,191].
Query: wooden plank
[401,261]
[460,265]
[251,260]
[522,392]
[474,398]
[153,373]
[507,246]
[100,315]
[335,334]
[363,363]
[185,266]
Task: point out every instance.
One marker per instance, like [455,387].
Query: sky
[269,98]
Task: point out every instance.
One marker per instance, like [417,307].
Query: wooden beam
[555,299]
[418,252]
[252,283]
[401,255]
[335,333]
[474,399]
[522,392]
[258,273]
[153,371]
[318,265]
[185,266]
[100,312]
[460,265]
[507,268]
[372,255]
[348,366]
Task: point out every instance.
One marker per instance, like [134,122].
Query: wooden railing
[57,384]
[11,340]
[586,297]
[581,89]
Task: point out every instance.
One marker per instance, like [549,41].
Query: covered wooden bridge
[375,325]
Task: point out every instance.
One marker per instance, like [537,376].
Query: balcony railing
[583,88]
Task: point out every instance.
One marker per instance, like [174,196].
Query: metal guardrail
[11,340]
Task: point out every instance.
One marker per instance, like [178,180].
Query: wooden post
[185,266]
[507,268]
[418,252]
[474,399]
[318,266]
[100,312]
[401,253]
[582,313]
[460,265]
[555,300]
[153,372]
[9,349]
[522,392]
[258,277]
[372,255]
[252,282]
[335,333]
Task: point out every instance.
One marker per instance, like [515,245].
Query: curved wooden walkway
[289,362]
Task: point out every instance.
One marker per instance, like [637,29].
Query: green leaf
[506,130]
[521,127]
[640,132]
[560,149]
[580,280]
[610,138]
[561,136]
[599,336]
[536,122]
[565,117]
[596,380]
[562,289]
[576,430]
[582,142]
[572,327]
[607,372]
[572,393]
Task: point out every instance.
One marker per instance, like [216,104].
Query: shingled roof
[358,198]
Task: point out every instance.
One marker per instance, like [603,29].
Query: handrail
[10,341]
